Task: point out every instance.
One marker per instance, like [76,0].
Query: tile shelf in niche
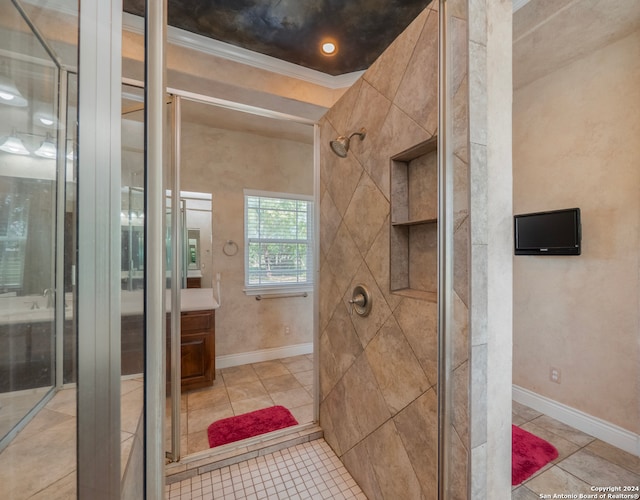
[417,294]
[414,184]
[414,221]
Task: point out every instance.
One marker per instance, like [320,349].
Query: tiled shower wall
[378,374]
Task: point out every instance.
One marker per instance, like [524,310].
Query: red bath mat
[529,454]
[249,424]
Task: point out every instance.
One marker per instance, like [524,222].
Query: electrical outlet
[554,375]
[287,330]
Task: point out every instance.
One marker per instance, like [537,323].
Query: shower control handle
[360,300]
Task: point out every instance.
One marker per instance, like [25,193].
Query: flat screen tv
[548,233]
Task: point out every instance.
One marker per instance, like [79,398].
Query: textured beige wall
[576,143]
[223,163]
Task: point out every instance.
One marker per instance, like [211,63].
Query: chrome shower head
[340,146]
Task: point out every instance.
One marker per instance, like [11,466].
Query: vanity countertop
[32,308]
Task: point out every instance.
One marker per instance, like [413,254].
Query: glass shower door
[29,130]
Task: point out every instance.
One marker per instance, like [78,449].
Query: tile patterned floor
[241,389]
[583,461]
[15,405]
[52,432]
[313,471]
[309,470]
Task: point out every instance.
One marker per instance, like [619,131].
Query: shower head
[340,146]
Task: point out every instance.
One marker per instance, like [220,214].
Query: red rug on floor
[249,424]
[529,453]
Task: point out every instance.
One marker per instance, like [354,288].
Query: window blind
[278,238]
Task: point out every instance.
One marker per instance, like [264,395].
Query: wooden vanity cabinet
[197,348]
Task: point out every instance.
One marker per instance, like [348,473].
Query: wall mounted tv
[548,233]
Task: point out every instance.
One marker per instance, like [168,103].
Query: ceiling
[549,34]
[293,30]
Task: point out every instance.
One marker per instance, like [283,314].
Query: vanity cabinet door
[197,349]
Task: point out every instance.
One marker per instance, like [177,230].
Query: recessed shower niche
[414,221]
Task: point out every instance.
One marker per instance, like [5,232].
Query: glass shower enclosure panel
[29,130]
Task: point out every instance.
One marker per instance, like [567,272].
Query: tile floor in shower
[306,471]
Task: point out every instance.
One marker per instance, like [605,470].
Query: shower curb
[197,464]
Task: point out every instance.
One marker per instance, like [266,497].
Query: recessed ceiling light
[329,48]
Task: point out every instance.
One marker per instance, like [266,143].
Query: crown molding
[186,39]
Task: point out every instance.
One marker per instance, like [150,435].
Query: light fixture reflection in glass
[9,93]
[47,149]
[12,144]
[44,117]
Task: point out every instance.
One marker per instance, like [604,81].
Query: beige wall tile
[344,180]
[366,213]
[330,220]
[387,71]
[418,91]
[330,296]
[338,115]
[344,259]
[369,112]
[341,345]
[364,398]
[406,381]
[399,132]
[391,464]
[460,395]
[418,320]
[377,260]
[357,461]
[417,425]
[339,416]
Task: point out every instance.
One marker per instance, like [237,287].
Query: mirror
[195,211]
[193,249]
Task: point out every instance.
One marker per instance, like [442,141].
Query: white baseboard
[244,358]
[596,427]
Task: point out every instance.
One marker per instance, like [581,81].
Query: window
[278,241]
